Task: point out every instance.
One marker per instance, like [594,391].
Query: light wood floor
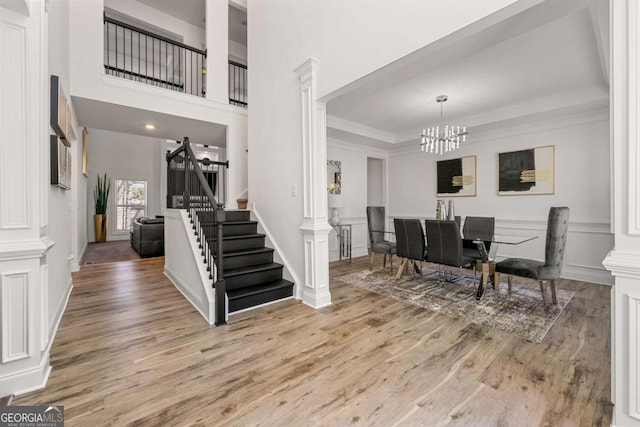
[131,350]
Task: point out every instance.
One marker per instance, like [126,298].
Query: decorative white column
[315,227]
[624,260]
[24,149]
[217,62]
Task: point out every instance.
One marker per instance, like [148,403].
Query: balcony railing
[135,54]
[237,84]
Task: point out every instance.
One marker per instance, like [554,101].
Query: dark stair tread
[241,236]
[210,224]
[251,269]
[258,289]
[242,252]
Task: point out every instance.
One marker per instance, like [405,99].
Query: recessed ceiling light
[149,126]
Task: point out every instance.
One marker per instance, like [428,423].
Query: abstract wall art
[525,172]
[456,177]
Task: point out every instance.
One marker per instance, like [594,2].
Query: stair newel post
[221,303]
[170,184]
[185,194]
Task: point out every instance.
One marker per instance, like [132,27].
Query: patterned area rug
[522,313]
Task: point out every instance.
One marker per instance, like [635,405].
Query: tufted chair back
[375,221]
[557,226]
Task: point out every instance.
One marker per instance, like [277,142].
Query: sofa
[147,236]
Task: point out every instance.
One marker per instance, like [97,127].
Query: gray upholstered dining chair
[444,244]
[377,242]
[550,269]
[477,227]
[409,243]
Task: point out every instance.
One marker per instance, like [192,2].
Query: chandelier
[442,138]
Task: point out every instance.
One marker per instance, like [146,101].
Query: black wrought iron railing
[135,54]
[237,84]
[199,187]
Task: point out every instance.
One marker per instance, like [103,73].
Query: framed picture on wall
[58,109]
[456,177]
[525,172]
[60,163]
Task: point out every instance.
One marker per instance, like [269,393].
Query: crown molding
[357,148]
[360,129]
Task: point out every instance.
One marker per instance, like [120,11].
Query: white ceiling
[550,58]
[118,118]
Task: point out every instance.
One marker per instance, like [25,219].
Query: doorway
[375,182]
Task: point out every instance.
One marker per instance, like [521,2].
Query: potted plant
[101,197]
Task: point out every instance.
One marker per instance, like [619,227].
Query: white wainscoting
[44,306]
[16,318]
[14,142]
[633,334]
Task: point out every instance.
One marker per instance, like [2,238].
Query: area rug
[115,251]
[522,313]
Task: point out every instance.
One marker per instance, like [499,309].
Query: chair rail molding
[315,227]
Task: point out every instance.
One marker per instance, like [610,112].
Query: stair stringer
[270,242]
[184,264]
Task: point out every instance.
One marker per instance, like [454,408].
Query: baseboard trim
[62,307]
[27,380]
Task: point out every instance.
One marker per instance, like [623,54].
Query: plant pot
[100,223]
[242,203]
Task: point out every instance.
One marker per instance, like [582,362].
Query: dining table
[487,262]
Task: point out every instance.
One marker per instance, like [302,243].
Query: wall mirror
[333,176]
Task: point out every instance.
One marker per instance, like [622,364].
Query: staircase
[251,276]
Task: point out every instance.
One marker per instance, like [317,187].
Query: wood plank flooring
[132,351]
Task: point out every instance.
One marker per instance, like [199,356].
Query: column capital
[307,70]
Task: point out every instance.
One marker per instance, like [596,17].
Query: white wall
[354,160]
[362,37]
[237,52]
[184,266]
[582,183]
[124,156]
[67,208]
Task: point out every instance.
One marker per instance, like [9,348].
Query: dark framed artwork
[525,172]
[456,177]
[58,107]
[60,163]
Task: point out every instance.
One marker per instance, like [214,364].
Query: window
[131,201]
